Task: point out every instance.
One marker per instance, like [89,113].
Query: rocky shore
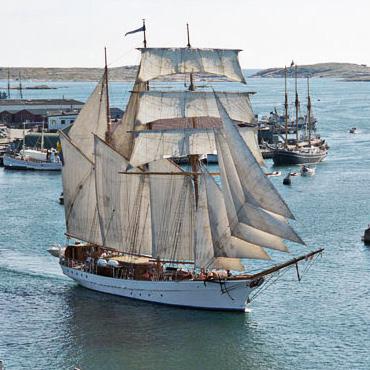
[346,71]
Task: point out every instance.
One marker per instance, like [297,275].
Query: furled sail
[151,145]
[257,188]
[91,120]
[156,105]
[157,62]
[123,203]
[172,213]
[81,214]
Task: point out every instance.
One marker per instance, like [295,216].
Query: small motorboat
[287,180]
[353,130]
[307,171]
[273,174]
[366,237]
[61,198]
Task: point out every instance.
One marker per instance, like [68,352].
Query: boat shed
[14,112]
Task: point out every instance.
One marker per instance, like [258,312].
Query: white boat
[307,171]
[148,229]
[18,162]
[33,159]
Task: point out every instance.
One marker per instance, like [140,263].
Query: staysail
[257,188]
[81,214]
[241,211]
[158,62]
[91,120]
[122,137]
[214,235]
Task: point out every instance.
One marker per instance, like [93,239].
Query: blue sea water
[322,322]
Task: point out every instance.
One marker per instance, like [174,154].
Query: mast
[20,85]
[144,29]
[108,132]
[24,137]
[309,111]
[286,109]
[8,83]
[187,32]
[296,105]
[194,158]
[147,86]
[42,136]
[188,45]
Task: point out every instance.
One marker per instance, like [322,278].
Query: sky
[271,33]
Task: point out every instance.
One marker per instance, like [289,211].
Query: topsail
[158,62]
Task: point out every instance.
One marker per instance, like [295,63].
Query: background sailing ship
[152,230]
[308,149]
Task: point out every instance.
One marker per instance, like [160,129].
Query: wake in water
[32,265]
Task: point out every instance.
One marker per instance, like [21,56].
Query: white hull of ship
[21,164]
[230,295]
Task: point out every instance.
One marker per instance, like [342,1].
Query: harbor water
[321,322]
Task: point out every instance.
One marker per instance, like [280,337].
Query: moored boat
[313,151]
[285,157]
[307,171]
[18,162]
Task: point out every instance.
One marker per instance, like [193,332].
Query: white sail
[153,145]
[123,203]
[91,120]
[257,188]
[241,211]
[172,213]
[234,200]
[157,62]
[81,214]
[224,243]
[122,137]
[156,105]
[204,251]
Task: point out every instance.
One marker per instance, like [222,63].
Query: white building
[59,121]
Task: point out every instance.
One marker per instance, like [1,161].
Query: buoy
[287,180]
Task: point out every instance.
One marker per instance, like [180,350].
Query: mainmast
[42,136]
[8,83]
[296,106]
[309,111]
[193,159]
[108,133]
[286,109]
[20,86]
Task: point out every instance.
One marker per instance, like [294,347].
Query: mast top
[108,132]
[144,30]
[188,35]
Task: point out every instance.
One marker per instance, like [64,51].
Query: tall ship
[148,229]
[310,148]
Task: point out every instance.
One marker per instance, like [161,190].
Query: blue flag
[141,29]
